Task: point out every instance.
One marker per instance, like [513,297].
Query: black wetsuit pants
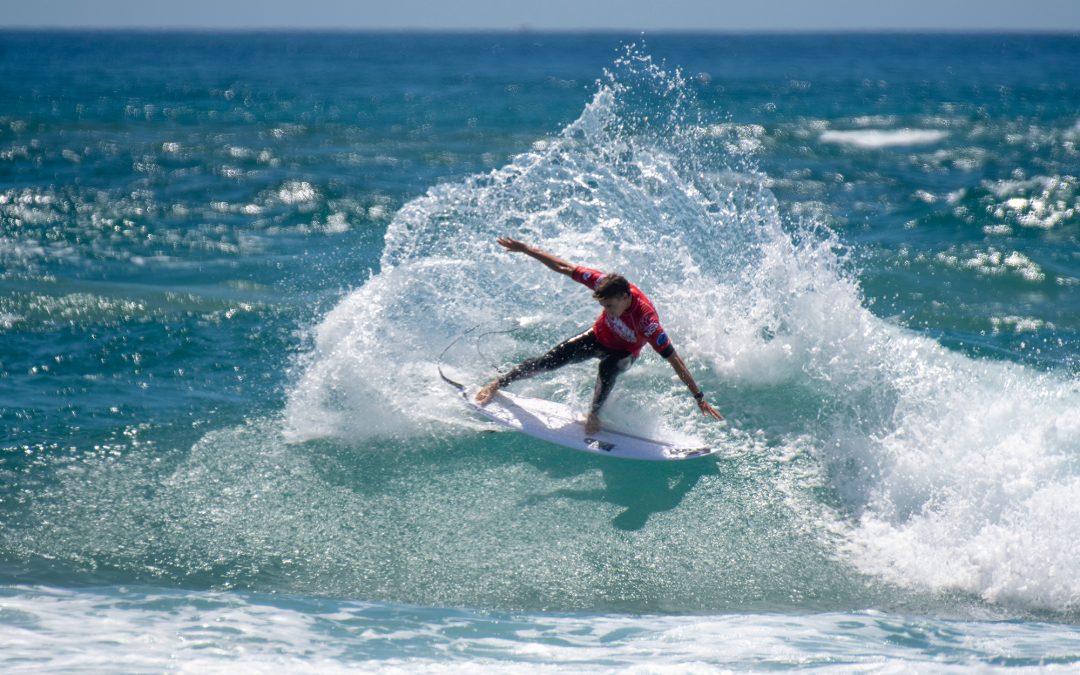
[576,349]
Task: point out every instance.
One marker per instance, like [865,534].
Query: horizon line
[530,30]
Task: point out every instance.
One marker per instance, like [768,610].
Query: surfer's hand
[485,394]
[710,411]
[512,245]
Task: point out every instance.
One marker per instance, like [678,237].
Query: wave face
[858,452]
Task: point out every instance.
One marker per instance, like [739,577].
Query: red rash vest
[637,325]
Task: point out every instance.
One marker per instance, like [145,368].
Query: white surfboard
[558,423]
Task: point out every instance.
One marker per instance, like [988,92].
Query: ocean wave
[993,262]
[190,631]
[769,315]
[875,139]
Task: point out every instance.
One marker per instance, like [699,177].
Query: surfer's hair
[611,286]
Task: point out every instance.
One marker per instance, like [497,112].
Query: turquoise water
[229,264]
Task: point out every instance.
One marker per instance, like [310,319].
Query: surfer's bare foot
[485,394]
[592,423]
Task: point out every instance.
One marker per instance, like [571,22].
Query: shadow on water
[641,488]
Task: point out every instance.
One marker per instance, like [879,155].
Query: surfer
[628,321]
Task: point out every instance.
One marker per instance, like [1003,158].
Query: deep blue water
[229,263]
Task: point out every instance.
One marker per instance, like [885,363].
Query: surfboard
[558,423]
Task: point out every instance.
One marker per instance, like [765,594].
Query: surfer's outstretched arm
[554,263]
[684,374]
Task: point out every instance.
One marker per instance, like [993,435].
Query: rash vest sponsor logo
[624,331]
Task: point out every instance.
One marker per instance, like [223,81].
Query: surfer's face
[615,306]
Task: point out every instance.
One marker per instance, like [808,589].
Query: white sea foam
[874,139]
[8,320]
[296,192]
[1019,324]
[150,630]
[957,473]
[993,262]
[971,486]
[1042,202]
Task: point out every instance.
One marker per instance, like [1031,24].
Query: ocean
[232,263]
